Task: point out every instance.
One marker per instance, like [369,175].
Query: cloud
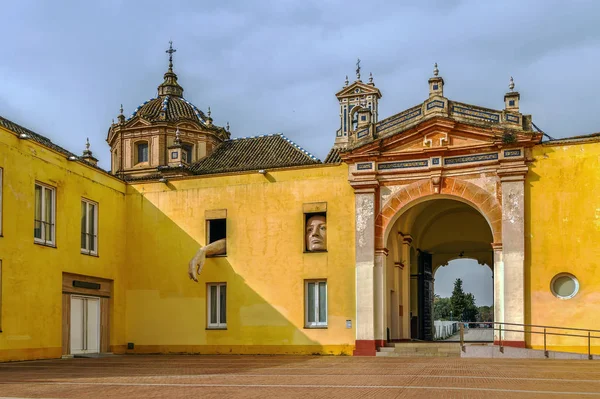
[274,66]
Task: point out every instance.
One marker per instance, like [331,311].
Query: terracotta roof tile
[43,141]
[254,153]
[333,156]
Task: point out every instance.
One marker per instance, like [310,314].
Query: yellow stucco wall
[563,235]
[265,267]
[31,316]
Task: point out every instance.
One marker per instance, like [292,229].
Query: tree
[441,308]
[486,313]
[462,305]
[471,311]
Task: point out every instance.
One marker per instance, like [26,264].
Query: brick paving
[133,376]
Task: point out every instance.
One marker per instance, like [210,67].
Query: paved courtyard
[298,377]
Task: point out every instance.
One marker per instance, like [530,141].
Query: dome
[169,108]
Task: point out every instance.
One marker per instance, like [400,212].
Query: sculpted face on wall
[316,233]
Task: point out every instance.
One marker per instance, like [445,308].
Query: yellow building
[302,256]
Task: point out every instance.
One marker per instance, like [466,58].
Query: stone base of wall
[13,355]
[237,349]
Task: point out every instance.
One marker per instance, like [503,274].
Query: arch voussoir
[482,200]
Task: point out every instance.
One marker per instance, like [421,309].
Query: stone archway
[465,191]
[503,209]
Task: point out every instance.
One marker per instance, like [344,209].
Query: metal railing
[533,329]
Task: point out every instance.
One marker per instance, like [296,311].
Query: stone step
[409,355]
[420,349]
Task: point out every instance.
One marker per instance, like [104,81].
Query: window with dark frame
[217,305]
[187,154]
[142,152]
[44,214]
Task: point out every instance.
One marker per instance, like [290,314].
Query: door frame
[97,287]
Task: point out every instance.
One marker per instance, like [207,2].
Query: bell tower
[358,107]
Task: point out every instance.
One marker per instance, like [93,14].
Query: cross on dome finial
[358,69]
[436,71]
[170,51]
[511,84]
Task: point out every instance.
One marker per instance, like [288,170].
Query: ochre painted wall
[563,235]
[31,316]
[265,267]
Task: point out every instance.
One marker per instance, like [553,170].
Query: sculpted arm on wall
[195,266]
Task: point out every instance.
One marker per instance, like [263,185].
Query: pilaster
[513,253]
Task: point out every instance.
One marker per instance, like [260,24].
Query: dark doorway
[425,295]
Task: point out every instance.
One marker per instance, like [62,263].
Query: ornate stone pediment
[358,89]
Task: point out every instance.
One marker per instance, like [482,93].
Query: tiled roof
[33,136]
[254,153]
[333,156]
[42,140]
[174,109]
[574,139]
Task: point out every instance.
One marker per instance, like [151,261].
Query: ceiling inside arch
[448,229]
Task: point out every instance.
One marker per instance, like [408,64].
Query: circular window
[564,286]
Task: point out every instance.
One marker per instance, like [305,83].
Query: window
[0,294]
[43,229]
[187,153]
[315,233]
[1,202]
[89,227]
[564,286]
[217,305]
[316,303]
[142,152]
[216,230]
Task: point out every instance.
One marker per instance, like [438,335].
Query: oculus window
[564,286]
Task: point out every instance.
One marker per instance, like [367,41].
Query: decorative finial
[227,128]
[87,153]
[511,84]
[177,138]
[370,77]
[209,112]
[170,51]
[436,71]
[358,69]
[121,117]
[346,81]
[113,121]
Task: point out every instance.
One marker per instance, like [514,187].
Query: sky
[476,278]
[275,66]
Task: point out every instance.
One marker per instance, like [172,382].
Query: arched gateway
[438,150]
